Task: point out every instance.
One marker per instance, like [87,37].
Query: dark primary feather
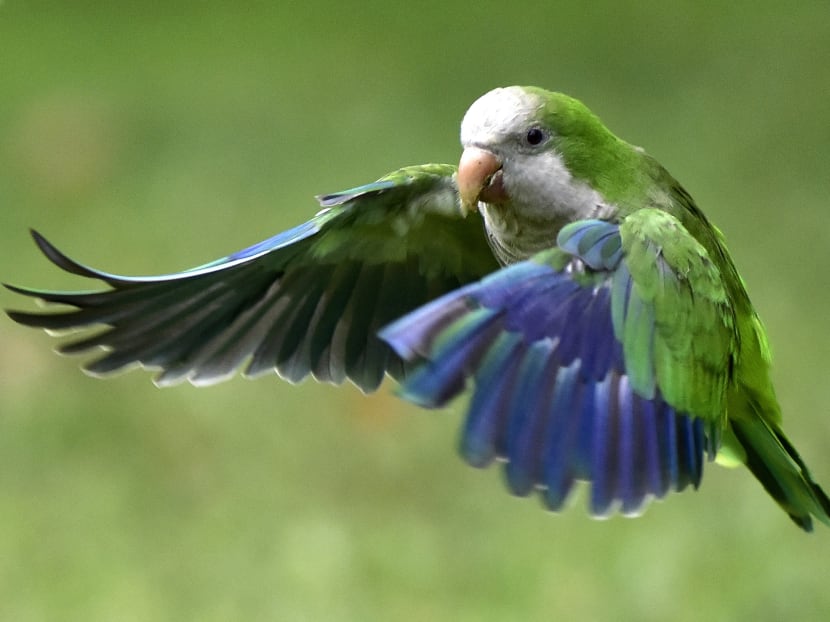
[306,301]
[552,393]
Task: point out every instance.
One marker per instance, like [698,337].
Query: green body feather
[709,354]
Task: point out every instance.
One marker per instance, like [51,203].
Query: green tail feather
[777,465]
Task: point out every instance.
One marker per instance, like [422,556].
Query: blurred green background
[156,137]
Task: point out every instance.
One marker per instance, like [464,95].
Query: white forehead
[498,113]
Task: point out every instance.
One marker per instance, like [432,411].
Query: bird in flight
[559,273]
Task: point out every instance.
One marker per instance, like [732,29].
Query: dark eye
[535,136]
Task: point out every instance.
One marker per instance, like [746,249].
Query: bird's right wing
[306,301]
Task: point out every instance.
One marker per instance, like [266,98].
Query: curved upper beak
[479,179]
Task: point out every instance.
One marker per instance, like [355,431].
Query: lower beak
[479,179]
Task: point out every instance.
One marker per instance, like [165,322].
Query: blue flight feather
[561,446]
[526,417]
[489,405]
[409,334]
[602,458]
[437,381]
[629,489]
[549,338]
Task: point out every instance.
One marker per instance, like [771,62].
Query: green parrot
[560,273]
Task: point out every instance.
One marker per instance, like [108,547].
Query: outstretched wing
[307,301]
[605,359]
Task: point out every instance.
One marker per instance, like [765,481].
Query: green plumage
[708,353]
[694,336]
[593,309]
[308,301]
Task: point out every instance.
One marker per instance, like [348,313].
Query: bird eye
[535,136]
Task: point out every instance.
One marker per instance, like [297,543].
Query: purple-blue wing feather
[542,343]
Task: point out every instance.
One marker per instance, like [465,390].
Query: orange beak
[479,179]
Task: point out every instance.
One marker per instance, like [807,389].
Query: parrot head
[522,167]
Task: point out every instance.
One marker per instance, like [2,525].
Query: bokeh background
[151,137]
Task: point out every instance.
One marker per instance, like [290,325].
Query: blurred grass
[150,137]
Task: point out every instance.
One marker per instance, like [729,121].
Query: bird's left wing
[604,359]
[308,300]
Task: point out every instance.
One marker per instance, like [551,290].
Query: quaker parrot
[559,273]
